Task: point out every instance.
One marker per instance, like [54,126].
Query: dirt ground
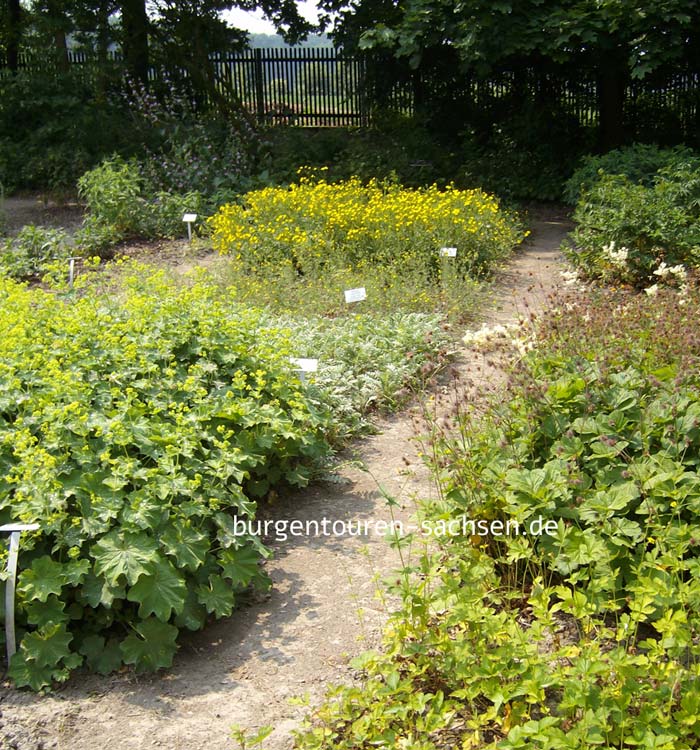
[325,605]
[16,212]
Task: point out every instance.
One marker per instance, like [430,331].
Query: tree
[619,39]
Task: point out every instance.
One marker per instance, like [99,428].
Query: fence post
[259,78]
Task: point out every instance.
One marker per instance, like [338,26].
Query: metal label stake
[189,219]
[304,366]
[15,530]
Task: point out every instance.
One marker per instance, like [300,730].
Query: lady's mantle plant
[134,431]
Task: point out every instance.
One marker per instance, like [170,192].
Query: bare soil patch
[19,211]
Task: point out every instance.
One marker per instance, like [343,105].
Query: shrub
[315,226]
[639,163]
[53,128]
[625,231]
[122,204]
[188,151]
[135,429]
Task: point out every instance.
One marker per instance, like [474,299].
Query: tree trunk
[135,38]
[103,38]
[612,84]
[60,44]
[14,33]
[57,25]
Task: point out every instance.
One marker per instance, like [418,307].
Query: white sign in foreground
[355,295]
[448,252]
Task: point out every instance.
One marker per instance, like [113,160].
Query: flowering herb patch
[637,233]
[314,226]
[133,430]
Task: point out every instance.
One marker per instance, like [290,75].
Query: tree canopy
[618,39]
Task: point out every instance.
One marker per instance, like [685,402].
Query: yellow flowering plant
[314,227]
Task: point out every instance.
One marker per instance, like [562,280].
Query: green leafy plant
[625,231]
[136,428]
[33,249]
[639,163]
[122,204]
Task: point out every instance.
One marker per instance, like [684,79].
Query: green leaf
[188,546]
[119,554]
[45,577]
[101,656]
[217,596]
[96,591]
[240,565]
[151,647]
[75,571]
[41,613]
[143,512]
[48,645]
[258,487]
[159,592]
[27,673]
[194,615]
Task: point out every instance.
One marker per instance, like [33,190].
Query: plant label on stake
[71,272]
[445,253]
[189,219]
[303,366]
[15,531]
[355,295]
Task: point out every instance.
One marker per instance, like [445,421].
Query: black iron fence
[322,87]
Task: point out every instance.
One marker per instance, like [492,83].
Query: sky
[255,22]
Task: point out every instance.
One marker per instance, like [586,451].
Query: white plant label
[189,218]
[448,252]
[355,295]
[305,365]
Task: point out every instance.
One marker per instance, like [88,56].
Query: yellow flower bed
[315,225]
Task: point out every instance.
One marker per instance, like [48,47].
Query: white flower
[652,291]
[487,338]
[570,277]
[616,257]
[662,271]
[679,272]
